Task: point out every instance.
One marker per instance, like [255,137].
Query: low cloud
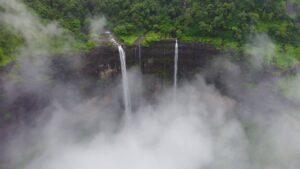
[261,50]
[242,127]
[97,25]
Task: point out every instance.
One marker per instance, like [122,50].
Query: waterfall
[140,54]
[175,66]
[127,101]
[126,92]
[140,57]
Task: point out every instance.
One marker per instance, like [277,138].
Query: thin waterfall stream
[140,55]
[175,66]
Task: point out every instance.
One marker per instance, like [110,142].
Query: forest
[223,23]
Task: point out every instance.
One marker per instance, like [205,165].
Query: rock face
[103,64]
[97,70]
[157,59]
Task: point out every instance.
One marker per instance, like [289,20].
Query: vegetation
[8,45]
[224,23]
[230,20]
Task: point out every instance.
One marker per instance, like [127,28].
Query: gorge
[149,84]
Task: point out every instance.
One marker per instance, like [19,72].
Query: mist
[253,124]
[97,25]
[39,43]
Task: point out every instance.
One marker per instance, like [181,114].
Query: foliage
[224,23]
[229,20]
[287,57]
[8,45]
[71,14]
[151,37]
[129,39]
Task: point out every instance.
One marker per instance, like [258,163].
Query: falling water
[127,101]
[175,66]
[140,54]
[126,92]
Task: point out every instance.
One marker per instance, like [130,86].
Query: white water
[126,92]
[140,55]
[175,66]
[127,101]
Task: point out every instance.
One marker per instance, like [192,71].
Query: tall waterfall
[126,92]
[175,66]
[127,101]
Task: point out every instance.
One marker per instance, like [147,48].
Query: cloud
[33,57]
[292,8]
[191,132]
[97,25]
[261,50]
[202,128]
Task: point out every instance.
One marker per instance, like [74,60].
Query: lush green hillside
[229,20]
[224,23]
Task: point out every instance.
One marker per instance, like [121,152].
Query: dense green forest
[229,20]
[224,23]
